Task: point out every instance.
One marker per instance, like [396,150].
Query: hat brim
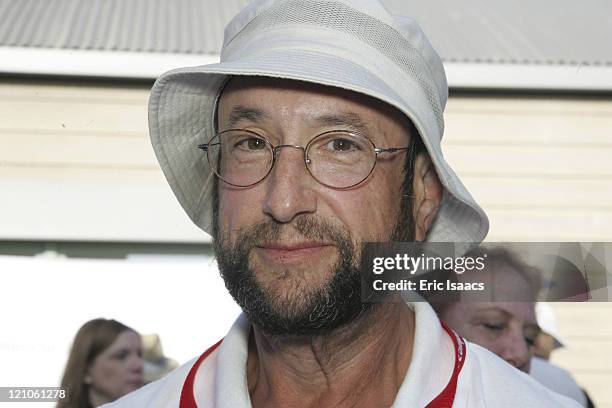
[183,104]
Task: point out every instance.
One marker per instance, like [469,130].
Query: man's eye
[342,145]
[251,143]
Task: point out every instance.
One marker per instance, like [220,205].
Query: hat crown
[255,8]
[366,21]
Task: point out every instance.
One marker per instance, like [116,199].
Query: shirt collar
[430,369]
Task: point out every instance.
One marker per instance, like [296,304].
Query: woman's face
[117,370]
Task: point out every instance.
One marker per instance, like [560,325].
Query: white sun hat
[351,44]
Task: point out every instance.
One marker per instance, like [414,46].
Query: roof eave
[105,64]
[146,65]
[544,77]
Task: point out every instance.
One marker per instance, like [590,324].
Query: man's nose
[515,349]
[289,186]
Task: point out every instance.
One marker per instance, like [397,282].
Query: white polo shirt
[481,378]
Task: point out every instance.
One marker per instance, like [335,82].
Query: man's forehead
[244,84]
[247,98]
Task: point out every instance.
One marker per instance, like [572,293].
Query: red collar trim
[187,397]
[444,400]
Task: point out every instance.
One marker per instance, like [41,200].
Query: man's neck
[362,364]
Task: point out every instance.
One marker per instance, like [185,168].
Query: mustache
[306,227]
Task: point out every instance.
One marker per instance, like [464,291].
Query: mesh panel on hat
[373,32]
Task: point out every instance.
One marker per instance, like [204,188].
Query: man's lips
[293,246]
[291,253]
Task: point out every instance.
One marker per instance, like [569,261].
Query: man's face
[505,327]
[288,247]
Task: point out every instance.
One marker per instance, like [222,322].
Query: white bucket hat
[352,44]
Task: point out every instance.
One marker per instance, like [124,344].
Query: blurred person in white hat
[320,130]
[155,364]
[549,338]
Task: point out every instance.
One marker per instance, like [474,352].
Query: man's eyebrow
[241,113]
[348,120]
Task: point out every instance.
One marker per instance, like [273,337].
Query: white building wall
[76,164]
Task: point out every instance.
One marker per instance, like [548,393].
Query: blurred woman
[500,318]
[104,364]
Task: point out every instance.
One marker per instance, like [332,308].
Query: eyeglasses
[337,159]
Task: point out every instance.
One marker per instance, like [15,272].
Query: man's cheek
[232,213]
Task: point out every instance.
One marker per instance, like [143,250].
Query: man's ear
[427,195]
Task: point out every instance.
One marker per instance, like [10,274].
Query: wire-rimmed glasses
[338,159]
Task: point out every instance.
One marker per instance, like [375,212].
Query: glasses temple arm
[391,149]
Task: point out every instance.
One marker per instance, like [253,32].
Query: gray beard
[318,312]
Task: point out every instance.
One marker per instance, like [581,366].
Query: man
[320,130]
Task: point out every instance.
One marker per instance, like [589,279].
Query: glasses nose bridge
[276,151]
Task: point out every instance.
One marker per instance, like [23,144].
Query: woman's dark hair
[93,338]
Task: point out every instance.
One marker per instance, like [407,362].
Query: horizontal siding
[527,160]
[82,153]
[577,321]
[552,193]
[531,162]
[590,354]
[585,225]
[587,330]
[535,128]
[74,111]
[76,150]
[45,91]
